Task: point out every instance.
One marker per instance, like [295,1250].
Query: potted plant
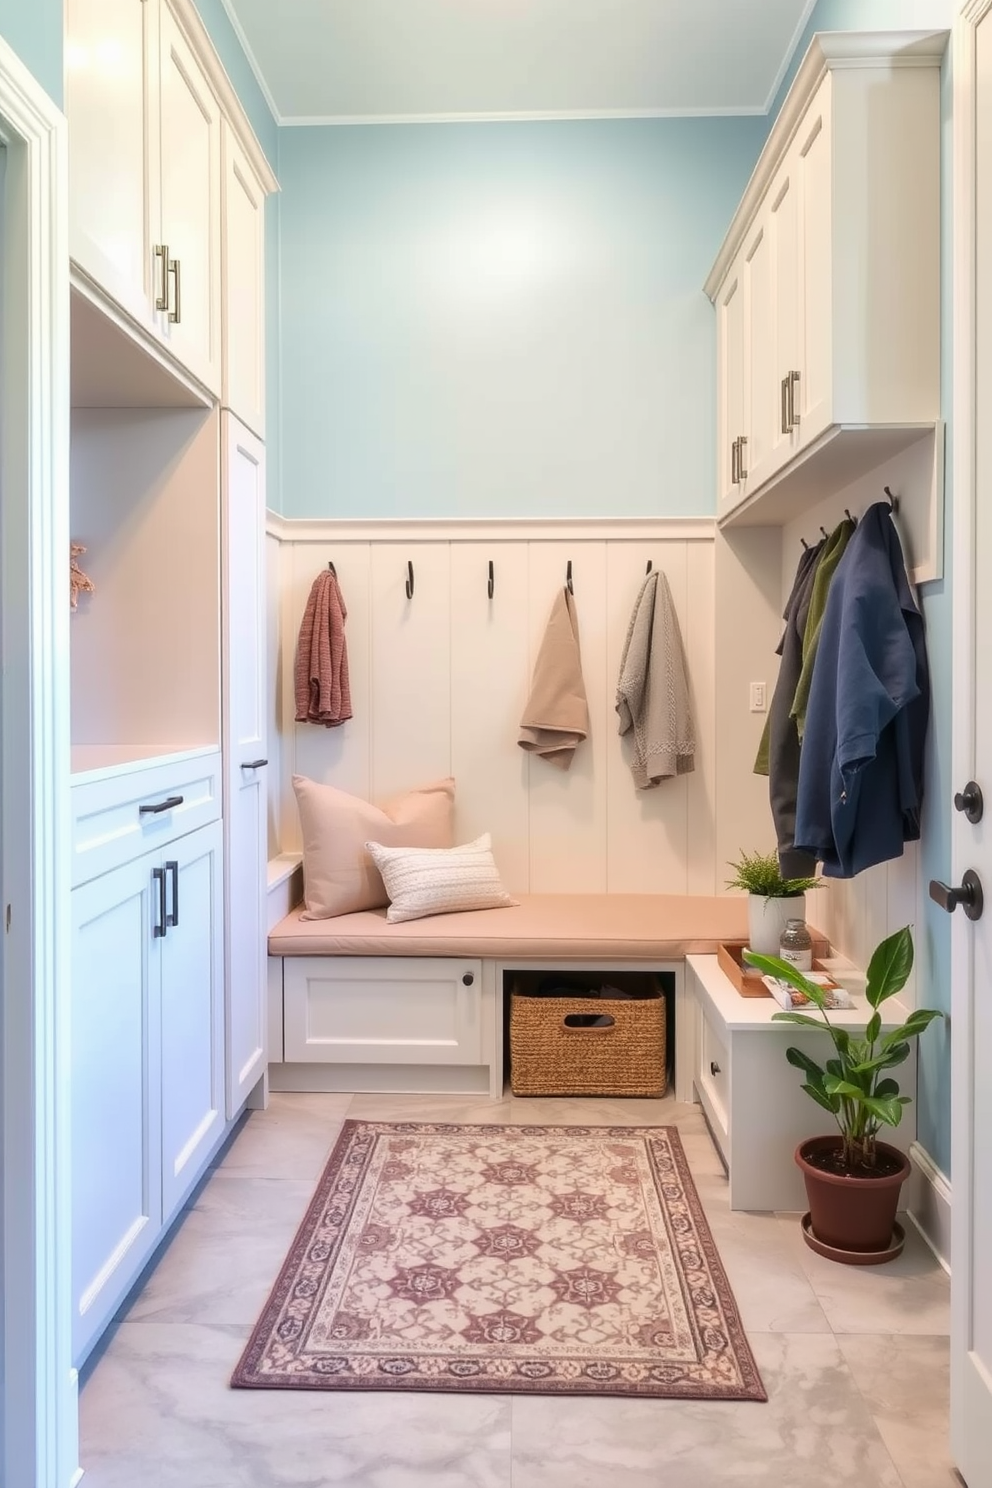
[853,1179]
[773,900]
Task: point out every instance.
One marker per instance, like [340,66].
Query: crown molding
[523,116]
[252,60]
[790,52]
[526,529]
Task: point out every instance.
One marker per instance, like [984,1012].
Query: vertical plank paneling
[568,808]
[410,666]
[274,662]
[490,675]
[340,756]
[646,829]
[704,875]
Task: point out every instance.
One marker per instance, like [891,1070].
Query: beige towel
[556,718]
[653,691]
[323,694]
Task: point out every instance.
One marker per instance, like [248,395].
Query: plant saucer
[854,1257]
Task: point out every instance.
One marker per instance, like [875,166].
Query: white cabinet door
[116,1134]
[192,998]
[111,99]
[812,154]
[382,1010]
[245,806]
[243,278]
[784,259]
[730,397]
[191,190]
[760,405]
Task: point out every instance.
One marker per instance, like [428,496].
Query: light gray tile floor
[855,1360]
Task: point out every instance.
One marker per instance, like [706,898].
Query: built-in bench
[361,1004]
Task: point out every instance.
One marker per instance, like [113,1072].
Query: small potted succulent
[853,1179]
[772,899]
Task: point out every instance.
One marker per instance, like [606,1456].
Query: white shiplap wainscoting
[439,682]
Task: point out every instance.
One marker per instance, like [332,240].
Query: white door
[191,192]
[245,807]
[759,340]
[116,1196]
[111,99]
[813,399]
[783,232]
[192,954]
[730,386]
[971,979]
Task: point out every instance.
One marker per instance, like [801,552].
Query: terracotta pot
[767,918]
[852,1214]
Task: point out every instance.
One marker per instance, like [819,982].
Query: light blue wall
[34,29]
[932,937]
[238,69]
[491,320]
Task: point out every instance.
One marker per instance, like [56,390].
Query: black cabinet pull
[254,764]
[468,978]
[173,867]
[159,926]
[714,1067]
[158,806]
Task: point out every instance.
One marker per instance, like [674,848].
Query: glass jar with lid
[796,945]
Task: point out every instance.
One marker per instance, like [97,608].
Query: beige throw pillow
[339,876]
[423,881]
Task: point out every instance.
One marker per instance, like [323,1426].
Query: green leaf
[898,1054]
[802,1061]
[786,972]
[822,1099]
[890,966]
[887,1109]
[834,1086]
[886,1087]
[874,1027]
[914,1025]
[805,1020]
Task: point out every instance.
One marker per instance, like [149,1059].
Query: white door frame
[965,1399]
[39,1385]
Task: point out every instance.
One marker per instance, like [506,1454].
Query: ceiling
[349,61]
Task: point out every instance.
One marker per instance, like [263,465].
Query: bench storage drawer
[374,1010]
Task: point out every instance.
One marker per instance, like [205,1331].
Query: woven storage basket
[547,1057]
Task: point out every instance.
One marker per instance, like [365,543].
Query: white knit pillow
[423,881]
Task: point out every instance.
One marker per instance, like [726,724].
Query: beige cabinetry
[243,280]
[827,286]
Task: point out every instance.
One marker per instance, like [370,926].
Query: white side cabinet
[245,763]
[753,1100]
[146,1056]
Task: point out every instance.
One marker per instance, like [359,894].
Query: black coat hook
[332,569]
[492,583]
[847,514]
[804,543]
[409,580]
[649,568]
[893,500]
[824,531]
[568,577]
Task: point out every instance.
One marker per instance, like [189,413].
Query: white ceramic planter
[767,919]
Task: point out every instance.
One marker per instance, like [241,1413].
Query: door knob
[969,895]
[970,801]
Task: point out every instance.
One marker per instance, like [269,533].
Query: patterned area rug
[532,1259]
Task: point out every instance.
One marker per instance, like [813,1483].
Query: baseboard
[931,1208]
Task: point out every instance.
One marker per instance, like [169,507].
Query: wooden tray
[747,979]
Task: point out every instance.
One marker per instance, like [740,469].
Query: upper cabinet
[147,99]
[827,287]
[243,272]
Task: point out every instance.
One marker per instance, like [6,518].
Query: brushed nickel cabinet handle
[741,467]
[793,415]
[162,299]
[734,452]
[785,419]
[176,313]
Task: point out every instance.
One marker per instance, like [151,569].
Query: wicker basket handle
[570,1027]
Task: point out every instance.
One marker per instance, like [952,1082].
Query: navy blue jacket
[861,767]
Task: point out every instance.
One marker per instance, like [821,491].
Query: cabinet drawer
[382,1010]
[111,817]
[713,1080]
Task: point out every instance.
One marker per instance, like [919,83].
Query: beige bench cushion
[558,927]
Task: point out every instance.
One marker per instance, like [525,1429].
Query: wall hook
[823,530]
[804,543]
[568,577]
[847,514]
[649,568]
[893,500]
[331,569]
[492,583]
[409,580]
